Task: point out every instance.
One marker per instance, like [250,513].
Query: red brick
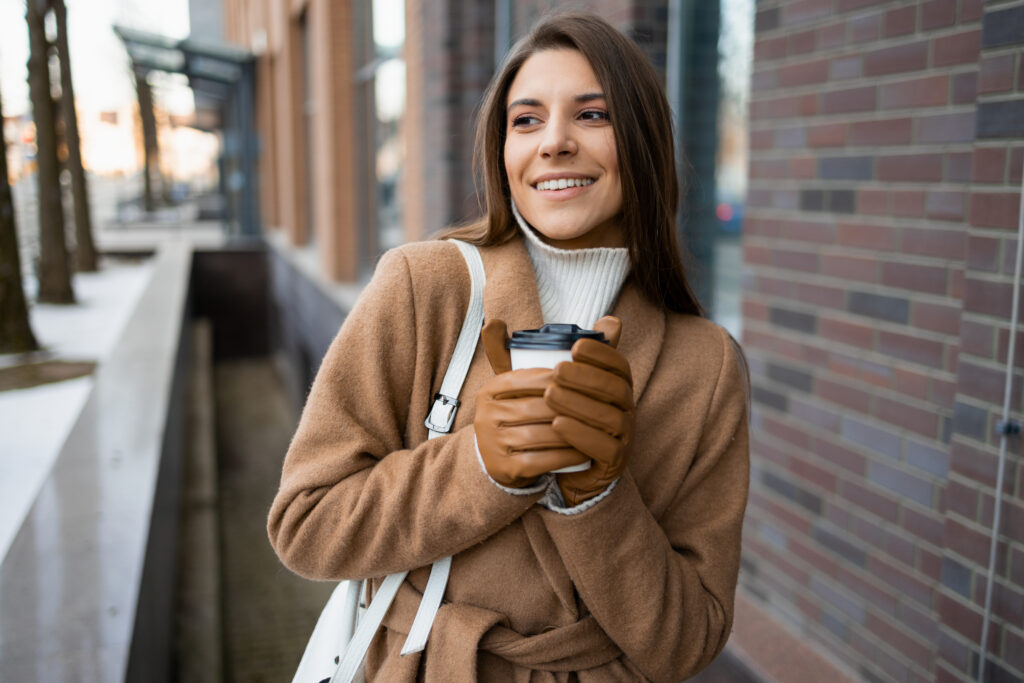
[966,541]
[845,68]
[1003,345]
[857,268]
[910,383]
[942,393]
[910,168]
[849,100]
[925,91]
[977,339]
[945,128]
[870,501]
[970,10]
[900,22]
[762,227]
[983,253]
[987,384]
[919,420]
[935,317]
[988,165]
[962,499]
[769,169]
[803,10]
[995,210]
[946,244]
[897,637]
[802,42]
[907,582]
[898,58]
[911,348]
[874,202]
[815,232]
[770,48]
[771,286]
[958,167]
[865,28]
[995,74]
[753,310]
[908,203]
[929,564]
[962,618]
[819,295]
[881,132]
[959,48]
[868,236]
[1017,157]
[794,521]
[853,334]
[843,394]
[803,167]
[811,555]
[790,106]
[762,139]
[809,472]
[833,35]
[754,254]
[796,260]
[942,205]
[804,73]
[766,79]
[785,432]
[965,87]
[826,135]
[938,14]
[840,456]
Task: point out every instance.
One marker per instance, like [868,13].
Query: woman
[625,571]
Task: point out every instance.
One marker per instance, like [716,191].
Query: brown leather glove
[593,396]
[513,421]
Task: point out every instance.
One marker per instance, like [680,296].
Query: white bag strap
[439,422]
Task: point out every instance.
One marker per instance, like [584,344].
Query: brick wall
[885,155]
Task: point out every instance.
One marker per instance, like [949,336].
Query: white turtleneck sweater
[575,286]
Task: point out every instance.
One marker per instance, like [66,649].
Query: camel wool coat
[638,587]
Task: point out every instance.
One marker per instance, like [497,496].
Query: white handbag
[337,647]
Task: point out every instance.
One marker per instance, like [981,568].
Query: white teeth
[563,183]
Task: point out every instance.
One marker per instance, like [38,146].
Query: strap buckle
[442,414]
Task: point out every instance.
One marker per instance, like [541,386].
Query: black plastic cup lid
[552,336]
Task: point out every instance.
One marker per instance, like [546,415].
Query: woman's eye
[594,115]
[525,120]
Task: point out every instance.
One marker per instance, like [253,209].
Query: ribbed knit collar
[575,285]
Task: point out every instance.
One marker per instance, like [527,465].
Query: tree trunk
[54,273]
[85,249]
[15,332]
[149,142]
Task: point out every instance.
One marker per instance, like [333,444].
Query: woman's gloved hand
[593,396]
[513,421]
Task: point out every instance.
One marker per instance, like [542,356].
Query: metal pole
[502,31]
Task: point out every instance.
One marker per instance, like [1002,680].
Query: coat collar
[510,294]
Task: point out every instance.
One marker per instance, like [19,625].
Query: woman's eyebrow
[530,102]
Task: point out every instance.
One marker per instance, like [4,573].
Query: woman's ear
[494,336]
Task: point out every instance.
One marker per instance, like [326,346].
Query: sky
[99,64]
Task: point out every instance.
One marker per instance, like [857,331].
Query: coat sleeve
[355,502]
[663,588]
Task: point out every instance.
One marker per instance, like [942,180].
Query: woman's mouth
[562,183]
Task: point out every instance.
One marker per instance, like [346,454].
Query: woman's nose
[558,139]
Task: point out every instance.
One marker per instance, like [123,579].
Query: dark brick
[956,577]
[910,168]
[965,87]
[911,348]
[812,200]
[959,48]
[970,421]
[921,420]
[849,100]
[797,379]
[938,14]
[815,414]
[770,398]
[995,209]
[989,165]
[958,167]
[925,91]
[848,551]
[1004,27]
[840,201]
[851,607]
[991,298]
[1001,119]
[995,74]
[888,308]
[938,243]
[794,320]
[871,437]
[804,73]
[766,20]
[882,132]
[791,491]
[889,60]
[845,168]
[900,21]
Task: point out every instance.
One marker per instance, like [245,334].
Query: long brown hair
[642,124]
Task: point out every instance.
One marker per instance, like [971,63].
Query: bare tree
[85,249]
[53,271]
[15,331]
[151,169]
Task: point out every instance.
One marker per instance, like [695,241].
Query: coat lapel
[643,333]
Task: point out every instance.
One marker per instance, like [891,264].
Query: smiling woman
[591,512]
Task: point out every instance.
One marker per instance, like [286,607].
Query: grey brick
[841,201]
[893,309]
[900,482]
[1003,28]
[848,606]
[787,489]
[840,546]
[791,137]
[1001,119]
[956,577]
[770,398]
[812,200]
[871,437]
[816,415]
[798,379]
[766,19]
[928,458]
[773,535]
[834,624]
[970,421]
[846,168]
[794,320]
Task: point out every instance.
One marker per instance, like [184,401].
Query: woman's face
[560,155]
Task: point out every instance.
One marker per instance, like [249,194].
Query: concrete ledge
[82,588]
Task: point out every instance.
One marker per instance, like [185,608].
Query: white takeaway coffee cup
[546,348]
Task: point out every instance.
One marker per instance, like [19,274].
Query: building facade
[886,149]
